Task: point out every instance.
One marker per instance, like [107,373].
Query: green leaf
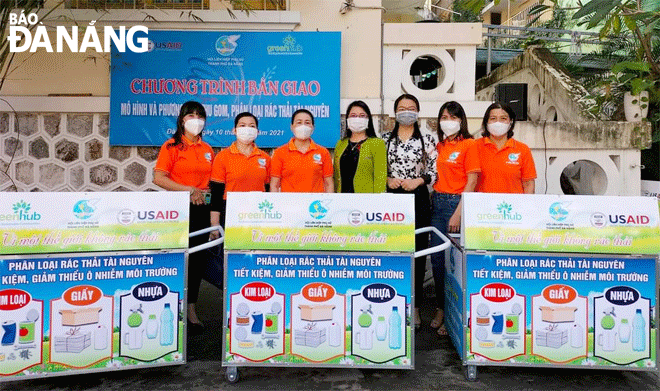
[639,66]
[590,8]
[616,24]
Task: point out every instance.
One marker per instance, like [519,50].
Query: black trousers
[200,218]
[422,219]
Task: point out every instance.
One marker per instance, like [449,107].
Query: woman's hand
[213,235]
[393,183]
[411,184]
[455,222]
[196,196]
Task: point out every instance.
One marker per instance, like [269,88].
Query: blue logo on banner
[317,210]
[226,45]
[83,210]
[557,211]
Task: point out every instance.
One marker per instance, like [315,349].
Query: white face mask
[246,134]
[302,132]
[498,128]
[449,127]
[356,124]
[194,126]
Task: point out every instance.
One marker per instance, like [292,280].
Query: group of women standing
[403,160]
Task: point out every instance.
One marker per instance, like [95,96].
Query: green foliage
[467,14]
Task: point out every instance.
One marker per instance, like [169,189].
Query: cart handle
[210,244]
[434,249]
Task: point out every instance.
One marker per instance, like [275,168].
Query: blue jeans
[443,207]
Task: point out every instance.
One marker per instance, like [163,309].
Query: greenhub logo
[504,213]
[266,212]
[22,211]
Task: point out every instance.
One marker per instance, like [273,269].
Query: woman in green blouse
[360,157]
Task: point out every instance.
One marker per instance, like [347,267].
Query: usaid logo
[453,156]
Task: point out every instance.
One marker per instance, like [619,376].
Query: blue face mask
[406,118]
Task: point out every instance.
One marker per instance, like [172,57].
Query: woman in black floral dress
[411,166]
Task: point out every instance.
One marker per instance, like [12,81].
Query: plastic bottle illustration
[381,328]
[152,326]
[395,329]
[100,337]
[166,326]
[334,335]
[638,332]
[624,331]
[577,336]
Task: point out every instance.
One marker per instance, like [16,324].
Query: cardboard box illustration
[80,316]
[557,314]
[315,313]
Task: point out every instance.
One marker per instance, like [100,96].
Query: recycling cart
[561,281]
[318,280]
[91,282]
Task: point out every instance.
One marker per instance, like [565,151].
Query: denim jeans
[443,207]
[422,209]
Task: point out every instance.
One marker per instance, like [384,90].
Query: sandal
[438,320]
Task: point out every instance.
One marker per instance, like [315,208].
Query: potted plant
[634,77]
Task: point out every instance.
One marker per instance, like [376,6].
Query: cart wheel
[471,373]
[231,374]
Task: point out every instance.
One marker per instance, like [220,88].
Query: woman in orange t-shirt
[454,178]
[240,167]
[506,165]
[184,164]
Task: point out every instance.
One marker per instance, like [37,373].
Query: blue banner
[63,315]
[349,309]
[270,74]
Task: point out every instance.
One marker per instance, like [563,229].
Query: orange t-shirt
[188,163]
[453,166]
[301,172]
[239,172]
[502,171]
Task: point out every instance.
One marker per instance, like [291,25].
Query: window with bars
[266,5]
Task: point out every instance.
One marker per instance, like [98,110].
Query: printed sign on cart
[305,309]
[591,224]
[320,221]
[89,312]
[562,310]
[33,223]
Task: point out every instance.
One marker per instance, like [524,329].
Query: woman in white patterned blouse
[411,166]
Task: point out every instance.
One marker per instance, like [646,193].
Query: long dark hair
[416,132]
[371,131]
[509,111]
[190,107]
[455,109]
